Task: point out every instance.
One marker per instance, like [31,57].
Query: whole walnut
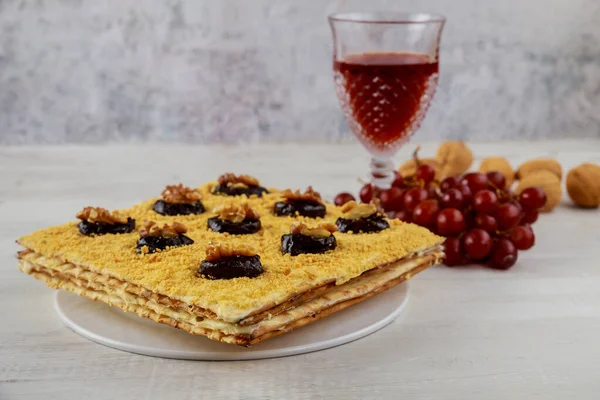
[548,182]
[410,167]
[499,164]
[454,157]
[548,164]
[583,185]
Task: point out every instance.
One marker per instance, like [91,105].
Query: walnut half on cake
[309,240]
[99,221]
[179,200]
[308,204]
[235,219]
[361,218]
[156,238]
[228,262]
[237,185]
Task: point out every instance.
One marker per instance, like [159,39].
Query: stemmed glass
[386,72]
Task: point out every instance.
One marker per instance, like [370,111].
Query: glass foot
[382,172]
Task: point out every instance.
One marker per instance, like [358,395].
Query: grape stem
[416,156]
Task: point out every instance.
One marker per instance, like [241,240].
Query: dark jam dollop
[295,243]
[100,228]
[372,223]
[164,208]
[231,267]
[232,190]
[155,243]
[246,227]
[304,208]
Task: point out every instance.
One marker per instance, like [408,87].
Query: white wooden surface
[529,333]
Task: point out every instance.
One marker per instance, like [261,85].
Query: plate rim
[225,356]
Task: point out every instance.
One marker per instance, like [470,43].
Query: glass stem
[382,172]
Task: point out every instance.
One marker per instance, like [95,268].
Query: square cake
[230,260]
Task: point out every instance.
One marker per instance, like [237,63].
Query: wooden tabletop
[528,333]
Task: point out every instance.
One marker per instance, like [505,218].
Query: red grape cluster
[483,221]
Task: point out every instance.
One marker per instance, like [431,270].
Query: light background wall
[260,70]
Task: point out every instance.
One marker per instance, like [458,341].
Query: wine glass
[386,72]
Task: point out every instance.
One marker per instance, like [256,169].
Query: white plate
[115,328]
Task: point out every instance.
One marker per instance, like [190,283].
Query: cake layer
[286,282]
[318,304]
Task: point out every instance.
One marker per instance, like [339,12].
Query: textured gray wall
[241,70]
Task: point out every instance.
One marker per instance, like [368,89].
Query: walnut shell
[410,167]
[455,158]
[499,164]
[537,164]
[583,185]
[548,182]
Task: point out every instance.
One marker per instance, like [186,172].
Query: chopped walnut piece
[377,203]
[151,228]
[97,214]
[352,210]
[237,181]
[216,251]
[179,194]
[322,230]
[236,214]
[309,195]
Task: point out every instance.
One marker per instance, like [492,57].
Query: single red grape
[448,183]
[413,197]
[503,255]
[426,212]
[476,181]
[522,237]
[533,198]
[366,193]
[450,221]
[466,192]
[343,198]
[518,205]
[425,173]
[485,201]
[486,222]
[477,244]
[496,179]
[508,216]
[392,199]
[404,215]
[453,251]
[453,198]
[529,216]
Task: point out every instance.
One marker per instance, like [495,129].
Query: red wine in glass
[385,94]
[386,72]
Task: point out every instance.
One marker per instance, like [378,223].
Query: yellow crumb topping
[174,272]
